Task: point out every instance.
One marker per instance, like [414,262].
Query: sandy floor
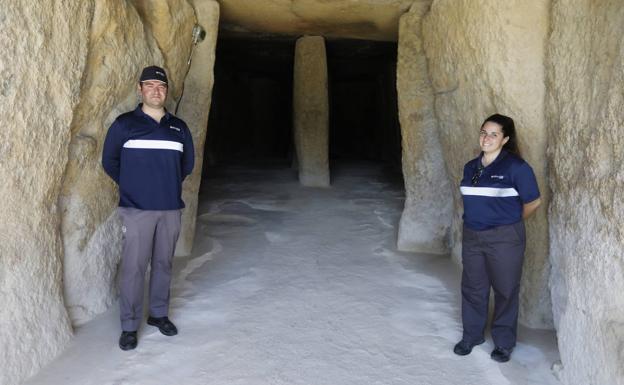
[293,285]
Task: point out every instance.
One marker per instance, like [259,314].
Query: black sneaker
[163,324]
[501,354]
[128,340]
[463,348]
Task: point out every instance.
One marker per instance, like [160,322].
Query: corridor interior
[289,284]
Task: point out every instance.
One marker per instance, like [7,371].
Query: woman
[499,190]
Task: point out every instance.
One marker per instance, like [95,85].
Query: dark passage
[363,102]
[251,113]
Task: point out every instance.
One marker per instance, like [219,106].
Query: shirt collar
[502,155]
[139,112]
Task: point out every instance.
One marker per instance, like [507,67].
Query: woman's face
[491,138]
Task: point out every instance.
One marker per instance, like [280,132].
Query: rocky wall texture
[484,57]
[194,108]
[586,147]
[41,64]
[119,47]
[426,217]
[311,111]
[170,23]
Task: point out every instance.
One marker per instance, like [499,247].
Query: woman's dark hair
[509,130]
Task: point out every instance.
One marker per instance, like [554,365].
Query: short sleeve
[188,157]
[526,183]
[467,174]
[111,152]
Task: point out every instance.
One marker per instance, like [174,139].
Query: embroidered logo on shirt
[174,128]
[500,177]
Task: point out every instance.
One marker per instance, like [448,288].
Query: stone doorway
[251,116]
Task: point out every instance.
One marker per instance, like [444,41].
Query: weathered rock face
[361,19]
[311,111]
[426,217]
[41,64]
[486,57]
[119,48]
[585,117]
[65,83]
[170,22]
[194,109]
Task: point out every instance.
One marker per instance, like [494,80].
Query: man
[148,152]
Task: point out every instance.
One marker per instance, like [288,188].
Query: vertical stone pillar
[311,111]
[427,213]
[194,110]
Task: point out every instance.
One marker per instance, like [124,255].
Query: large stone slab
[194,109]
[43,50]
[426,217]
[585,116]
[484,57]
[359,19]
[311,111]
[119,47]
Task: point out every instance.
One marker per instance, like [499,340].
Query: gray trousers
[148,236]
[492,258]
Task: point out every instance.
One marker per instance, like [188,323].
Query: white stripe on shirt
[489,191]
[154,144]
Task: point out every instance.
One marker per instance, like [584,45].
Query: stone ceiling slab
[358,19]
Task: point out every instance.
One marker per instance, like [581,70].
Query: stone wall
[68,68]
[484,57]
[124,39]
[426,217]
[194,109]
[41,65]
[118,49]
[72,70]
[586,147]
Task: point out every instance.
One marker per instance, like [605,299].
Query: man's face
[154,93]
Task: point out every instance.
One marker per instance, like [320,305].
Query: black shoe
[128,340]
[501,354]
[463,348]
[163,324]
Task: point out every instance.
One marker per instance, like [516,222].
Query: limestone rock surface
[426,217]
[41,64]
[486,57]
[194,109]
[311,111]
[170,22]
[118,49]
[585,115]
[361,19]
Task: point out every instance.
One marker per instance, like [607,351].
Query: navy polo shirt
[148,159]
[497,198]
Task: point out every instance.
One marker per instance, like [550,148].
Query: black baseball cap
[153,73]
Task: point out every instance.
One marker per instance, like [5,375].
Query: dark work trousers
[492,258]
[148,235]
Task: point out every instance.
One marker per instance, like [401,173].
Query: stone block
[311,111]
[586,73]
[488,57]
